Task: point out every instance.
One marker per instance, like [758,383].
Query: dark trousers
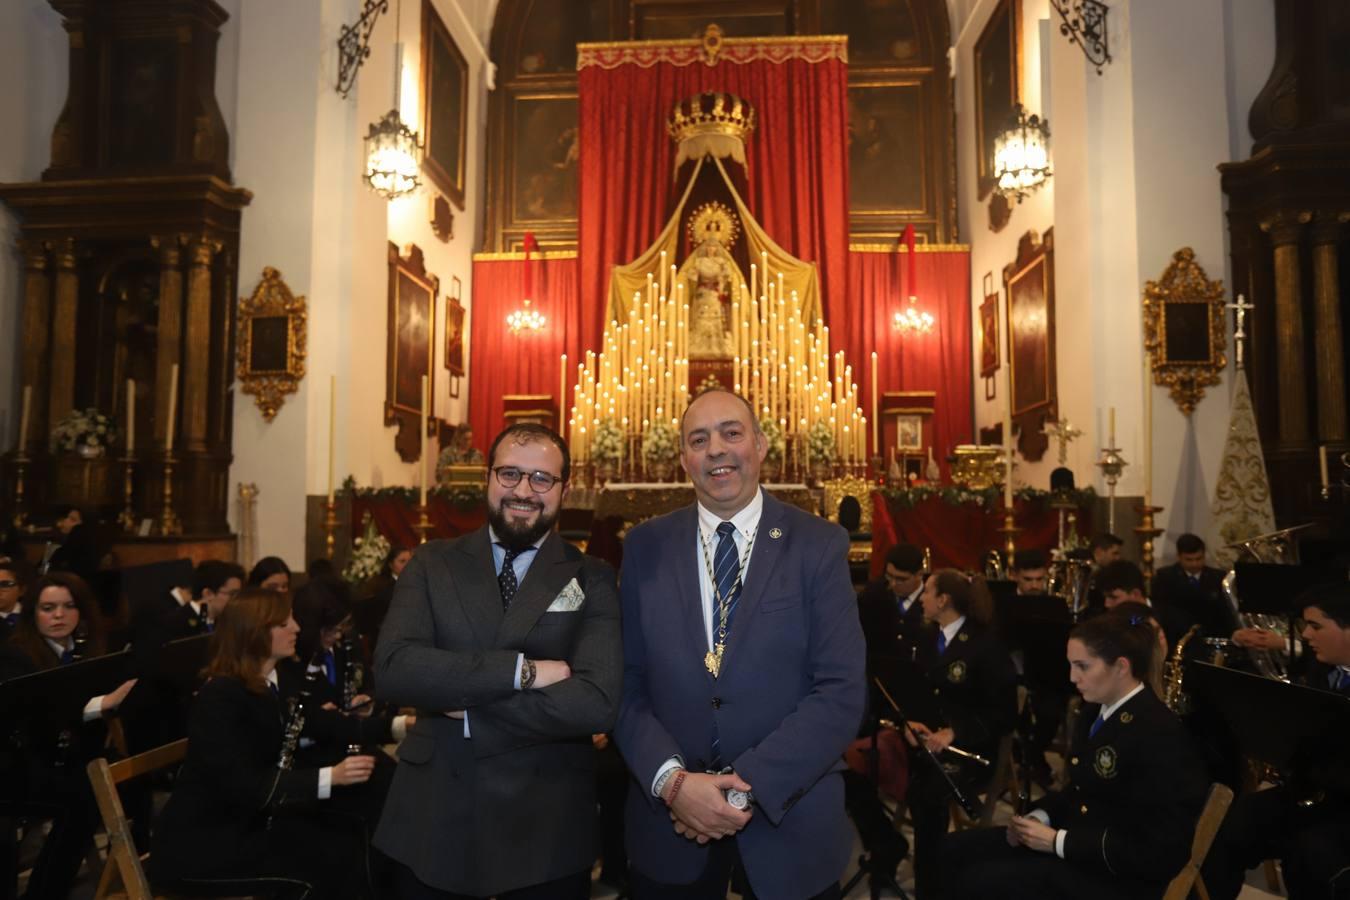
[980,864]
[611,790]
[570,887]
[929,801]
[724,868]
[1048,707]
[63,795]
[1312,843]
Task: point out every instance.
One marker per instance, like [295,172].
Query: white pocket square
[569,599]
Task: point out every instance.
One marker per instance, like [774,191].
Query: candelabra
[20,470]
[1147,533]
[168,519]
[423,524]
[330,523]
[1111,464]
[127,518]
[1009,532]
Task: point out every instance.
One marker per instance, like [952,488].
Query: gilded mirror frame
[1181,310]
[271,364]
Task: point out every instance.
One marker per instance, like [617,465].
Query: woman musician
[241,809]
[1122,827]
[43,758]
[971,678]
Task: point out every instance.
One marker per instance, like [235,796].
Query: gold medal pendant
[712,661]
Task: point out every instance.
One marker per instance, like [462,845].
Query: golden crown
[711,113]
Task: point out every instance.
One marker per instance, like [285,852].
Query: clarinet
[350,681]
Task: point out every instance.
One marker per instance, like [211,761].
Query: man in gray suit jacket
[507,641]
[743,681]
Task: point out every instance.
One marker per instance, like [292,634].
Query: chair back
[1206,827]
[124,863]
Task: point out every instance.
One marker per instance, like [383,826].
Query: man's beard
[519,536]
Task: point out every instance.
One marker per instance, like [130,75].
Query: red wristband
[675,787]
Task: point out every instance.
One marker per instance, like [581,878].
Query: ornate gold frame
[837,489]
[271,300]
[1183,286]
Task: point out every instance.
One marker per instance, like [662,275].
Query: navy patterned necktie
[506,578]
[1097,724]
[726,572]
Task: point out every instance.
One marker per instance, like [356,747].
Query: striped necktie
[727,571]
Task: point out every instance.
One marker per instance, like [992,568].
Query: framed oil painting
[412,318]
[989,355]
[544,167]
[1030,286]
[445,106]
[454,329]
[887,166]
[997,85]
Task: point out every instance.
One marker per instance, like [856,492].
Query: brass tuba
[994,569]
[1071,579]
[1275,547]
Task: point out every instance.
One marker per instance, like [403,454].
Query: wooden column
[196,384]
[60,359]
[1284,229]
[1329,355]
[170,335]
[37,314]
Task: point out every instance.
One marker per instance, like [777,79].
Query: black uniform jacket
[1135,790]
[230,784]
[971,687]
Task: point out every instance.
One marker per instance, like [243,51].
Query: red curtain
[501,362]
[938,361]
[797,161]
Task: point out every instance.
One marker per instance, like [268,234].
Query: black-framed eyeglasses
[540,482]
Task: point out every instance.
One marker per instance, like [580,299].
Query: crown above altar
[715,112]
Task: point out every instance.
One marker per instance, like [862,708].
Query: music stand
[51,697]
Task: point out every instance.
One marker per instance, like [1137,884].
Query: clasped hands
[935,741]
[700,809]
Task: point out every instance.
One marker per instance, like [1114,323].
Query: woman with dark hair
[969,693]
[241,808]
[379,593]
[43,763]
[1122,827]
[270,573]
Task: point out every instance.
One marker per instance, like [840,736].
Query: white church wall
[33,70]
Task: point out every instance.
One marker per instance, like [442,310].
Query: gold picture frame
[413,293]
[445,105]
[1184,330]
[271,343]
[998,85]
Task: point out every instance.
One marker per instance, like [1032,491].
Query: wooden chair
[1000,776]
[124,863]
[1211,817]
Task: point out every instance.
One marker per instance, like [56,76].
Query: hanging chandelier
[910,319]
[393,150]
[1022,155]
[525,320]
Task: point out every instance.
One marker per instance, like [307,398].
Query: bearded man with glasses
[507,642]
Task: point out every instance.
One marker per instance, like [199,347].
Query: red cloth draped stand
[797,157]
[960,535]
[501,362]
[938,361]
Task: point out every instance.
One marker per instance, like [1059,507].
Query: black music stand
[48,699]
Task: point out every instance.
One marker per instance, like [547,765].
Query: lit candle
[131,416]
[1007,477]
[23,417]
[332,430]
[173,409]
[1148,429]
[422,437]
[1111,429]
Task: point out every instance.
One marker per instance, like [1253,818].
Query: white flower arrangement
[660,444]
[607,445]
[773,437]
[820,443]
[88,428]
[368,555]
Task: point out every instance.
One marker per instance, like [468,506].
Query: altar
[634,503]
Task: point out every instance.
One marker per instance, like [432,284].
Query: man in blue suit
[743,680]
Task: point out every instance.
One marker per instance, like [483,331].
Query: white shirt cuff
[325,782]
[94,708]
[398,729]
[673,763]
[466,725]
[1059,842]
[520,665]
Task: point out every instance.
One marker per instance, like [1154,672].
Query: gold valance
[520,255]
[901,248]
[645,54]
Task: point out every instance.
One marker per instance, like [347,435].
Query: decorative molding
[271,343]
[900,248]
[645,54]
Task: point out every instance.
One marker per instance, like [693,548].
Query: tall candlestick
[173,409]
[1322,463]
[23,418]
[422,438]
[332,431]
[131,416]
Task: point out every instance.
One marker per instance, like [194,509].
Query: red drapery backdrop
[504,363]
[797,157]
[939,361]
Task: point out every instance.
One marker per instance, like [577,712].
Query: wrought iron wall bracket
[1084,23]
[354,44]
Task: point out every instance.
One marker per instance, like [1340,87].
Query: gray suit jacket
[512,805]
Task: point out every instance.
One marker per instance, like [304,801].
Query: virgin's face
[56,614]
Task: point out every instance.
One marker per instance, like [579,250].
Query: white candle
[131,416]
[422,438]
[1007,477]
[332,430]
[23,417]
[1321,459]
[173,409]
[1148,429]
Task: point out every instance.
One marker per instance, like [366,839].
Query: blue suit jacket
[789,699]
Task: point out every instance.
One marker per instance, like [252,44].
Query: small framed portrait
[989,355]
[909,433]
[454,329]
